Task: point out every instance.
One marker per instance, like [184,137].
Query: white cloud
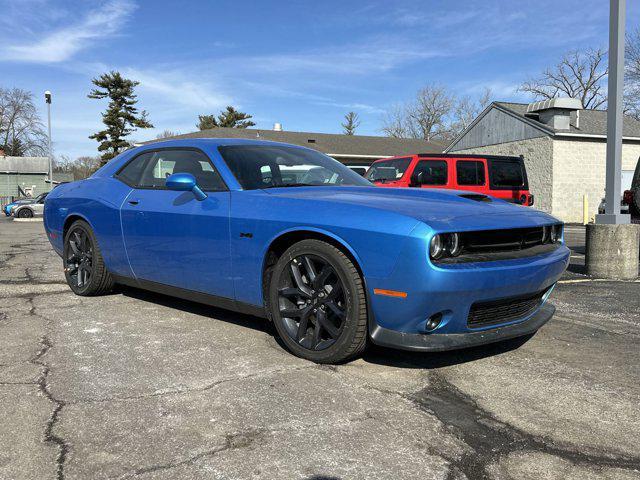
[172,88]
[63,43]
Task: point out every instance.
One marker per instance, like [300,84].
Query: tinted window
[388,169]
[430,172]
[150,170]
[132,171]
[506,174]
[262,166]
[470,172]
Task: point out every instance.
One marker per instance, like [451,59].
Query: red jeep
[498,176]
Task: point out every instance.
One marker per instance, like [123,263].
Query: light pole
[613,243]
[613,193]
[47,99]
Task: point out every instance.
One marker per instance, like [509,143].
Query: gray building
[25,176]
[563,147]
[348,149]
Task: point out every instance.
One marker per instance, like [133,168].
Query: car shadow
[208,311]
[374,353]
[430,360]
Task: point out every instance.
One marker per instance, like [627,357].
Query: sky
[303,64]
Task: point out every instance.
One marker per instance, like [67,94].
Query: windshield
[388,170]
[266,166]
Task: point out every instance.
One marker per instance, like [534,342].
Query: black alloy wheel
[317,303]
[79,259]
[84,267]
[312,303]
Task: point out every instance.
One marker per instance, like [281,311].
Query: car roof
[215,142]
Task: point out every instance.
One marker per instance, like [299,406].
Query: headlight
[556,233]
[436,249]
[445,244]
[452,245]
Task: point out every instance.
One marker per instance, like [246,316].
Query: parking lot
[136,385]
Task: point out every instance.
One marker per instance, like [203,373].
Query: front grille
[502,240]
[483,314]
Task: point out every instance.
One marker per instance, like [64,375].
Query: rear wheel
[25,213]
[317,303]
[84,266]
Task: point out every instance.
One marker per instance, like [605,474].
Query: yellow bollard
[585,209]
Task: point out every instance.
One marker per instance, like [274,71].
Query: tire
[25,213]
[84,267]
[323,320]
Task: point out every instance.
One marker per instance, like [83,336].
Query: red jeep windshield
[388,170]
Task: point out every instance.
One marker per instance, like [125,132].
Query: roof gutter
[589,135]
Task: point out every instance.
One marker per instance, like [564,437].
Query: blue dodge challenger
[289,234]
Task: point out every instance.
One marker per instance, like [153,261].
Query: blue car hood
[440,209]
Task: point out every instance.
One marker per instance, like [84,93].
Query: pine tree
[121,117]
[229,118]
[352,121]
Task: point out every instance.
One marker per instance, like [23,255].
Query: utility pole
[47,99]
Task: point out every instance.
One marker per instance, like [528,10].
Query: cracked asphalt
[136,385]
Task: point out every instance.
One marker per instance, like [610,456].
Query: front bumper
[452,341]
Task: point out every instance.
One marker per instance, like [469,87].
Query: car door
[171,238]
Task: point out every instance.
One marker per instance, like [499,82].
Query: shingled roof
[332,144]
[592,122]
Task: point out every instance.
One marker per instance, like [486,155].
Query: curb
[34,219]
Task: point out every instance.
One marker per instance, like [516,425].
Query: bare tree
[395,122]
[578,75]
[427,117]
[21,130]
[466,110]
[632,75]
[81,167]
[166,134]
[429,113]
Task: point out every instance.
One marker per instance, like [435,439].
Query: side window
[430,172]
[132,171]
[163,163]
[470,172]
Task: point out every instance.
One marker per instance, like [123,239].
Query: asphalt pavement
[137,385]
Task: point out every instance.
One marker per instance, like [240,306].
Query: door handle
[133,202]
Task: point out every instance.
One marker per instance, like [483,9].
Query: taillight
[627,197]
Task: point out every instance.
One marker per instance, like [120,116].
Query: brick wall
[579,169]
[538,156]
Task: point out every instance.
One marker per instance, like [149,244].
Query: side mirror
[185,182]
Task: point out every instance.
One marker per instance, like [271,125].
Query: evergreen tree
[121,117]
[206,122]
[352,121]
[229,118]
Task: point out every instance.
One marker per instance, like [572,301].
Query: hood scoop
[477,197]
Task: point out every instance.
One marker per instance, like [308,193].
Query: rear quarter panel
[97,200]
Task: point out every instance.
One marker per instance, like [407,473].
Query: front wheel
[84,267]
[317,302]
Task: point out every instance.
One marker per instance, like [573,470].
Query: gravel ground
[140,385]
